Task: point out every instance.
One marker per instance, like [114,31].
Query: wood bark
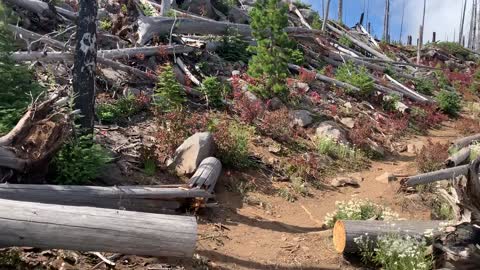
[325,16]
[458,158]
[346,231]
[462,21]
[42,9]
[165,8]
[93,229]
[463,142]
[445,174]
[386,21]
[85,64]
[151,199]
[326,79]
[340,11]
[206,175]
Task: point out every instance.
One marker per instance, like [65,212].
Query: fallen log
[346,231]
[207,174]
[466,141]
[42,9]
[326,79]
[458,158]
[445,174]
[49,226]
[145,51]
[151,199]
[407,90]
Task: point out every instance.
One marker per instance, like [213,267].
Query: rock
[236,73]
[238,15]
[275,148]
[348,105]
[344,181]
[301,118]
[386,178]
[131,91]
[348,122]
[332,130]
[275,104]
[192,151]
[301,85]
[376,149]
[413,148]
[251,96]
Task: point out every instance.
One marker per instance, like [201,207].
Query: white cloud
[442,17]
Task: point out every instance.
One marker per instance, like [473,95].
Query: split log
[346,231]
[206,175]
[445,174]
[466,141]
[458,158]
[92,229]
[148,27]
[408,90]
[326,79]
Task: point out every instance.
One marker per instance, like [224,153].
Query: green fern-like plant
[214,91]
[358,77]
[79,161]
[449,102]
[233,48]
[169,94]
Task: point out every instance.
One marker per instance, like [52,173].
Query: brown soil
[265,231]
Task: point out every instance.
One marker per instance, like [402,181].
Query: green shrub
[299,4]
[147,9]
[442,210]
[442,80]
[18,86]
[390,102]
[424,86]
[395,252]
[328,146]
[454,48]
[233,48]
[358,77]
[120,110]
[169,94]
[214,91]
[106,24]
[288,195]
[358,210]
[79,161]
[449,102]
[232,141]
[345,41]
[274,49]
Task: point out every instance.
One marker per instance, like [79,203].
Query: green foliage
[424,86]
[124,9]
[358,210]
[288,195]
[10,259]
[18,85]
[328,146]
[299,4]
[390,102]
[147,8]
[442,80]
[120,110]
[316,21]
[395,252]
[233,48]
[106,24]
[454,48]
[214,91]
[442,210]
[358,77]
[449,102]
[232,141]
[344,41]
[274,49]
[79,161]
[169,94]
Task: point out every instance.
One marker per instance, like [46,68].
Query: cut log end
[339,236]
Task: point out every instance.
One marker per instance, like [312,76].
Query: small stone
[348,105]
[275,104]
[301,118]
[332,130]
[348,122]
[275,148]
[386,178]
[236,73]
[344,181]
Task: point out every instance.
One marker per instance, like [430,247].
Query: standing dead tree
[420,34]
[386,21]
[85,64]
[325,16]
[462,21]
[340,11]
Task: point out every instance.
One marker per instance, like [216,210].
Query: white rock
[344,181]
[332,130]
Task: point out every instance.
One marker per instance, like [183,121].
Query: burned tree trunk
[340,11]
[386,21]
[85,64]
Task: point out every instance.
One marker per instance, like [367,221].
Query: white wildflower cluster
[395,252]
[359,210]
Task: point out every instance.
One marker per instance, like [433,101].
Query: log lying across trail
[458,158]
[133,198]
[431,177]
[49,226]
[462,142]
[346,231]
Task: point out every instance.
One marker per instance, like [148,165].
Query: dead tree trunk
[462,21]
[325,16]
[386,21]
[50,226]
[85,64]
[346,231]
[165,7]
[340,11]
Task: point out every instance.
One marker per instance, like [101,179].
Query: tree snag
[85,64]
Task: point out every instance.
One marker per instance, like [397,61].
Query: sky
[442,16]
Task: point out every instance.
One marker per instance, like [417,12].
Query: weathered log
[93,229]
[206,175]
[151,199]
[463,142]
[42,9]
[458,158]
[145,51]
[187,72]
[445,174]
[346,231]
[408,90]
[326,79]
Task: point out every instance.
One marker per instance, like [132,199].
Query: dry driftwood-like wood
[445,174]
[346,231]
[49,226]
[466,141]
[410,92]
[458,158]
[145,51]
[326,79]
[206,175]
[150,199]
[187,72]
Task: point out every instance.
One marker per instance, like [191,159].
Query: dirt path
[271,233]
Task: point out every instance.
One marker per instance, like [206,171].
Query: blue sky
[442,16]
